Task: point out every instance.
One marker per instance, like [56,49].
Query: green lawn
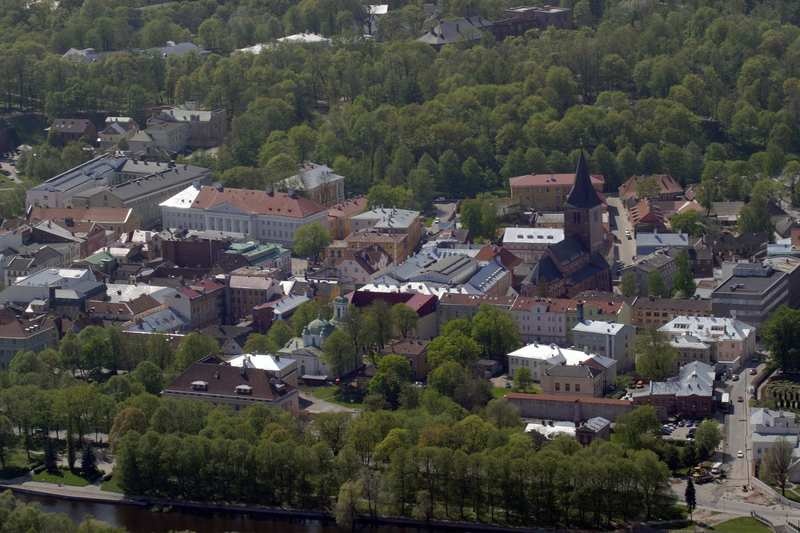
[64,477]
[328,393]
[499,392]
[741,525]
[112,485]
[17,463]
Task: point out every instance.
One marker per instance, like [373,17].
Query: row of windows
[567,387]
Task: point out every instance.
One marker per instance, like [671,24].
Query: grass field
[112,485]
[17,463]
[741,525]
[328,393]
[64,477]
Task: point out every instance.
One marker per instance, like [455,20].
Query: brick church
[577,263]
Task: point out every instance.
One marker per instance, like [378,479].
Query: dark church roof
[567,250]
[583,195]
[544,271]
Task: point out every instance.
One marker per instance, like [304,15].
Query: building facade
[268,216]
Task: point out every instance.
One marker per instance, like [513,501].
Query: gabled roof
[583,195]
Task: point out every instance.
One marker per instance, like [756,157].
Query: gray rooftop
[747,284]
[310,177]
[693,379]
[662,239]
[389,217]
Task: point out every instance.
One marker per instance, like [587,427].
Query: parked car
[735,377]
[753,371]
[740,399]
[740,454]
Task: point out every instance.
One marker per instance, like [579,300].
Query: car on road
[740,454]
[735,377]
[753,371]
[628,234]
[740,399]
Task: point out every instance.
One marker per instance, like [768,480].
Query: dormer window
[245,390]
[200,385]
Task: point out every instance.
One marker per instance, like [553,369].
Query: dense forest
[704,90]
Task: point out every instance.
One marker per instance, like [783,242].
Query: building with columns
[261,215]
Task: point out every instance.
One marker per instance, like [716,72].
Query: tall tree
[310,240]
[777,461]
[655,357]
[496,332]
[781,335]
[690,497]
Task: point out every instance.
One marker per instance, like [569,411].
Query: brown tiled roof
[15,328]
[70,125]
[223,379]
[111,215]
[348,208]
[541,180]
[257,202]
[666,185]
[689,306]
[566,398]
[476,300]
[407,347]
[507,259]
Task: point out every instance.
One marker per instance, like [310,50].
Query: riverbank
[318,520]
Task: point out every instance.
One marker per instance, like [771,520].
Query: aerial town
[514,285]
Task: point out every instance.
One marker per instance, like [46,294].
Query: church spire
[583,195]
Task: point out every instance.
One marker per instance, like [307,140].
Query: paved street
[728,496]
[618,221]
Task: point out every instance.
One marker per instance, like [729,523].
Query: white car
[628,233]
[740,454]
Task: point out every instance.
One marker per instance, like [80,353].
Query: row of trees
[19,517]
[432,461]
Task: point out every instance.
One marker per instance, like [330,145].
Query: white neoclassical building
[262,215]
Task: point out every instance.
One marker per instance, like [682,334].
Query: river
[141,520]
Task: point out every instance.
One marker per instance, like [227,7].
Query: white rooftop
[184,199]
[378,9]
[599,326]
[551,353]
[304,38]
[708,328]
[260,361]
[125,292]
[533,235]
[552,428]
[65,277]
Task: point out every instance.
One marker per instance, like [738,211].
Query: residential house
[731,341]
[117,219]
[646,216]
[238,387]
[24,333]
[689,394]
[768,427]
[415,351]
[207,127]
[317,182]
[648,243]
[66,130]
[361,266]
[609,339]
[573,379]
[652,312]
[537,358]
[662,262]
[655,187]
[246,292]
[459,30]
[340,214]
[116,130]
[275,366]
[547,192]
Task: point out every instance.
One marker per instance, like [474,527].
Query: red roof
[348,208]
[257,202]
[541,180]
[113,215]
[507,259]
[565,398]
[667,185]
